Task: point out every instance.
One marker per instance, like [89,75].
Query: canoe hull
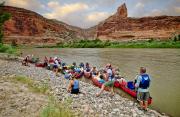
[132,93]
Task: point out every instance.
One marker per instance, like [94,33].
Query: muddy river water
[162,64]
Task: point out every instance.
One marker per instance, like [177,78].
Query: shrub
[56,109]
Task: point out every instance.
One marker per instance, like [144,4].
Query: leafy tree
[3,17]
[175,39]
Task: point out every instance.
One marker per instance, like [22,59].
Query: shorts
[109,84]
[75,91]
[143,96]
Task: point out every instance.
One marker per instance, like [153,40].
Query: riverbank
[88,104]
[151,43]
[16,99]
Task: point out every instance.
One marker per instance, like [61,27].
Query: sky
[87,13]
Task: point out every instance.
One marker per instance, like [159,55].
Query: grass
[38,88]
[54,107]
[152,43]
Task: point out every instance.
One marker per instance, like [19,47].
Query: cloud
[53,4]
[177,9]
[97,16]
[99,3]
[151,8]
[93,18]
[139,5]
[59,11]
[155,12]
[138,10]
[104,2]
[28,4]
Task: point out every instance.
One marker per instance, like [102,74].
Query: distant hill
[28,27]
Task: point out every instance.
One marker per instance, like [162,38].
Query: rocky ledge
[87,104]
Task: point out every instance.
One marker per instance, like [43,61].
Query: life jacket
[76,84]
[111,76]
[101,81]
[77,69]
[88,69]
[94,73]
[144,83]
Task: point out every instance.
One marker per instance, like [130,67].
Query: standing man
[143,83]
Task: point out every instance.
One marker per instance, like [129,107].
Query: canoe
[40,65]
[79,75]
[129,91]
[98,84]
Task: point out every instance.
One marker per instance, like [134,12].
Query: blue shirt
[101,81]
[139,78]
[76,84]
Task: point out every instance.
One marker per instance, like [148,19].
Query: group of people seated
[106,76]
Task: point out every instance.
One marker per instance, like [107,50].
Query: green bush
[7,49]
[151,43]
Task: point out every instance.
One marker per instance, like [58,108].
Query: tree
[3,17]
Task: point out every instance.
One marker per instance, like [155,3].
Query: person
[122,81]
[101,80]
[94,72]
[26,61]
[51,60]
[56,65]
[59,61]
[105,75]
[87,67]
[143,84]
[73,66]
[73,86]
[67,74]
[110,82]
[45,61]
[81,65]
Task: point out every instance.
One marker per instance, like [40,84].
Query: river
[162,64]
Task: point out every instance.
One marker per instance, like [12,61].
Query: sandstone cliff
[27,27]
[121,27]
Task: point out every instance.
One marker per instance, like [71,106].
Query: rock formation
[121,27]
[122,11]
[27,27]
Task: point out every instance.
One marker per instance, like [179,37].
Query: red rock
[121,27]
[27,27]
[122,11]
